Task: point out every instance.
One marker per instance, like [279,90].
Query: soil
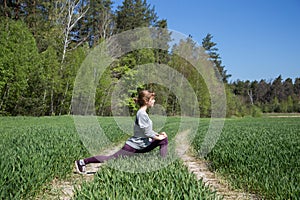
[65,189]
[200,168]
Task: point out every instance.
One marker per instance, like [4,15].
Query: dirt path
[64,189]
[200,169]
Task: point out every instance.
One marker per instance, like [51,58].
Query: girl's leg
[163,147]
[125,151]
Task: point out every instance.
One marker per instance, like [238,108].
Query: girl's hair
[143,97]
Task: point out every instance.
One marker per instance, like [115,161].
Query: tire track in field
[65,189]
[200,169]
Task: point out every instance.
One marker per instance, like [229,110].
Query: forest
[43,44]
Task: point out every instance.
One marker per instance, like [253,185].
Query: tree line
[43,44]
[276,95]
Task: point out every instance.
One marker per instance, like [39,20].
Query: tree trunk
[5,11]
[64,97]
[73,16]
[51,102]
[250,96]
[4,95]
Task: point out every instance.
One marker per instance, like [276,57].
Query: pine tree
[263,92]
[212,51]
[288,88]
[277,89]
[161,41]
[297,95]
[133,14]
[97,24]
[297,87]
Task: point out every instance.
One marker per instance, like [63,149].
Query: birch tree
[71,12]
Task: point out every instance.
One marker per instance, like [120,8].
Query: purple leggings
[129,151]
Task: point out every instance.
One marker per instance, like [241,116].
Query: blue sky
[257,39]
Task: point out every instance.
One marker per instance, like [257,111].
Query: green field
[259,155]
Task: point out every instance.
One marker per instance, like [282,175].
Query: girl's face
[151,102]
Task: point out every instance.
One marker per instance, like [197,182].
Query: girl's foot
[80,166]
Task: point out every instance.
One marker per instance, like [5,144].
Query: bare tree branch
[74,14]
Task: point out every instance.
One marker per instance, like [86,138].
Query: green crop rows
[34,151]
[259,155]
[147,177]
[170,182]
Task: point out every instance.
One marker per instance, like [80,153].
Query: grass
[37,150]
[259,155]
[256,154]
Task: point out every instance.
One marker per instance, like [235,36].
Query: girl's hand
[161,136]
[164,134]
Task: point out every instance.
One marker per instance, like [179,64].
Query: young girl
[144,139]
